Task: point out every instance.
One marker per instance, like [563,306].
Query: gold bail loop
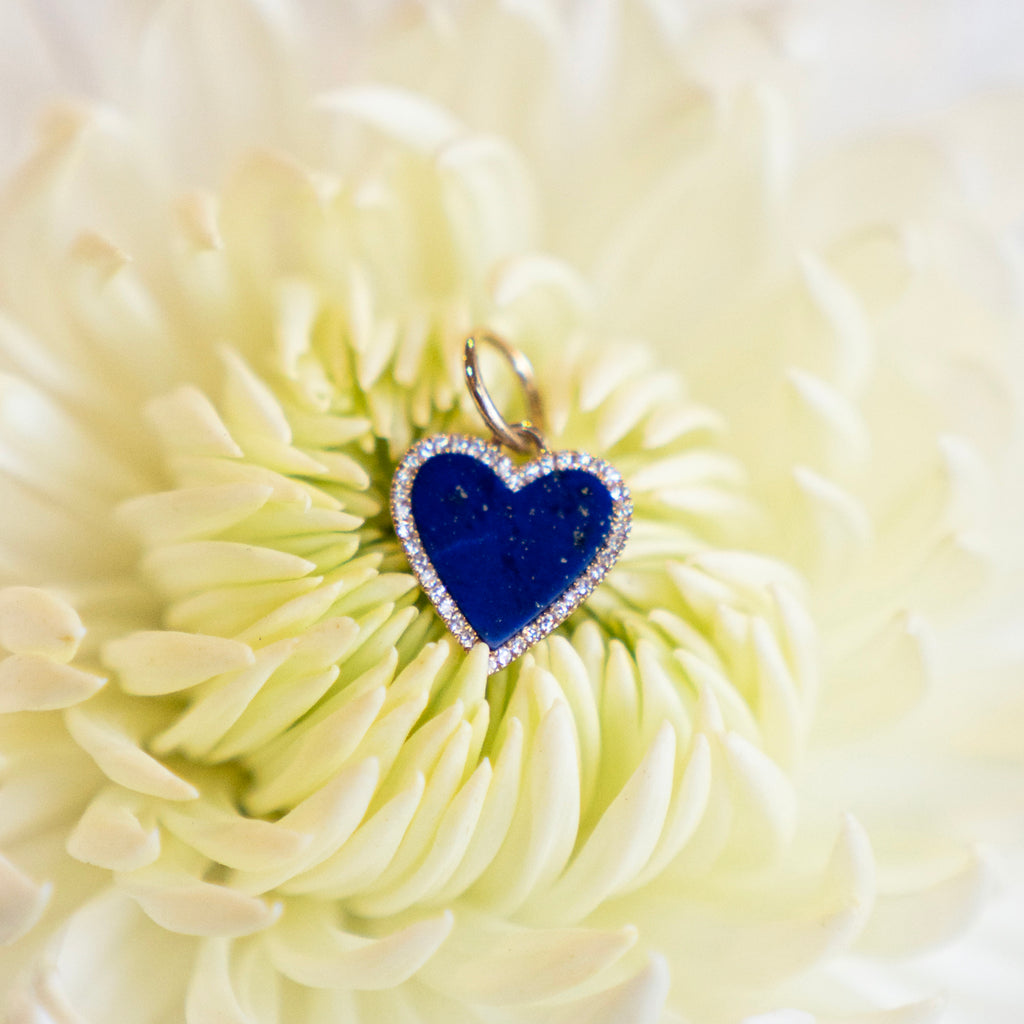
[526,436]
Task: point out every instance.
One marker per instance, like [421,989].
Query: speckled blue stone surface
[505,556]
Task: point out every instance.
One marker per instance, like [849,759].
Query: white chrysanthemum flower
[247,778]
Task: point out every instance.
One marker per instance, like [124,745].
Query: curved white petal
[503,965]
[157,662]
[312,951]
[914,919]
[22,901]
[639,999]
[111,833]
[544,828]
[622,841]
[212,998]
[182,903]
[29,682]
[122,759]
[33,621]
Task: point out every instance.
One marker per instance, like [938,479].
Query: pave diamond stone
[504,553]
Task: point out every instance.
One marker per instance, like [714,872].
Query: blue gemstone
[504,556]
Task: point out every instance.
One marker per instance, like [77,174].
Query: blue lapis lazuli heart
[504,555]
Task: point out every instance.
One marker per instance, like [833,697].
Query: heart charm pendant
[506,553]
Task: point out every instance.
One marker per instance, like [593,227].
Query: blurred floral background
[766,259]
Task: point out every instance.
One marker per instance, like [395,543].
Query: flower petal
[111,834]
[543,830]
[232,839]
[622,841]
[188,424]
[33,621]
[327,819]
[312,952]
[122,759]
[212,997]
[191,512]
[910,920]
[640,999]
[403,115]
[204,564]
[496,815]
[32,683]
[156,662]
[501,965]
[367,853]
[22,901]
[181,903]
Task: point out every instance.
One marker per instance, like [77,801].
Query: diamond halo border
[515,478]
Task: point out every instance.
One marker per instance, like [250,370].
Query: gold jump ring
[527,435]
